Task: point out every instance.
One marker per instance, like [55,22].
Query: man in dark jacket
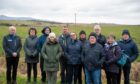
[101,39]
[12,46]
[46,30]
[64,39]
[93,58]
[83,41]
[129,47]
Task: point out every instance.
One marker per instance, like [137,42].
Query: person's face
[65,30]
[125,37]
[97,31]
[13,31]
[92,40]
[52,39]
[73,36]
[110,40]
[47,31]
[82,36]
[32,32]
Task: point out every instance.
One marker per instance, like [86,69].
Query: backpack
[123,58]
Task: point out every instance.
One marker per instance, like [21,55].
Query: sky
[87,11]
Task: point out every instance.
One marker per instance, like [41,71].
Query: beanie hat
[82,32]
[93,34]
[126,32]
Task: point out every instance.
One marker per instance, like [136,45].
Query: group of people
[88,53]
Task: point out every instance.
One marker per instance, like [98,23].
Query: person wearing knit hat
[93,57]
[45,32]
[100,38]
[126,34]
[129,47]
[83,41]
[51,52]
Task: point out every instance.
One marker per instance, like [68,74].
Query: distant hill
[4,17]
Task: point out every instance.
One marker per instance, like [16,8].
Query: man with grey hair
[101,39]
[12,46]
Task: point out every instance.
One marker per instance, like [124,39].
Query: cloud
[118,11]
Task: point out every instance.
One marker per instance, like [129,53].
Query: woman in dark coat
[113,53]
[73,52]
[31,54]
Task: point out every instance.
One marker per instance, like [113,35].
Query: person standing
[113,53]
[83,40]
[12,46]
[129,47]
[45,33]
[101,39]
[31,54]
[73,54]
[93,58]
[51,53]
[64,40]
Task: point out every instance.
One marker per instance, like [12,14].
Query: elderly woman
[31,54]
[51,52]
[12,46]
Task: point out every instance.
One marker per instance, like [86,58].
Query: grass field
[22,31]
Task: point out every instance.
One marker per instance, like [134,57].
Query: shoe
[35,82]
[9,82]
[14,82]
[28,82]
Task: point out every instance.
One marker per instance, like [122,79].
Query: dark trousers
[43,73]
[111,78]
[126,73]
[63,66]
[12,65]
[81,67]
[72,73]
[31,66]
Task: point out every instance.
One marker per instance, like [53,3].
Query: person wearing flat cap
[129,47]
[51,52]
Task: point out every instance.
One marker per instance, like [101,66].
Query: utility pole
[75,20]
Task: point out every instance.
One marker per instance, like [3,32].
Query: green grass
[22,31]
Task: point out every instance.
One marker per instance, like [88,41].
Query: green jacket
[51,53]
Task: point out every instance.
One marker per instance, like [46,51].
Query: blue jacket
[41,41]
[73,52]
[130,48]
[93,55]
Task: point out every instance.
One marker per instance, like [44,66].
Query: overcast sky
[88,11]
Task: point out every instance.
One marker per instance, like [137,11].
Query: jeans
[29,69]
[12,65]
[72,73]
[94,74]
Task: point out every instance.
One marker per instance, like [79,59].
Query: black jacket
[12,43]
